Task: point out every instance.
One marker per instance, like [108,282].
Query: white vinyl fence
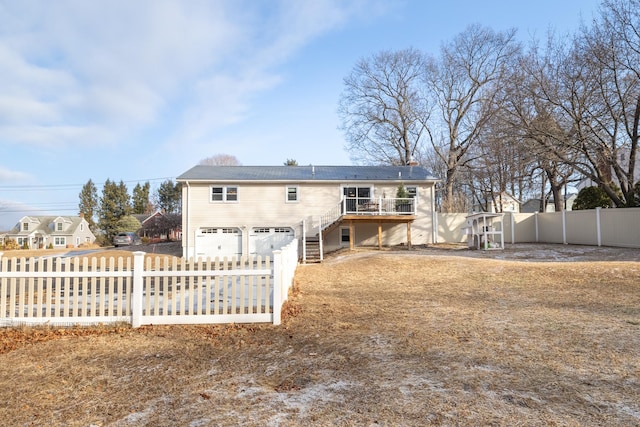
[144,291]
[595,227]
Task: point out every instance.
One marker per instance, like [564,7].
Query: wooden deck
[380,219]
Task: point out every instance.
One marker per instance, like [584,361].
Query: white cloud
[7,175]
[95,71]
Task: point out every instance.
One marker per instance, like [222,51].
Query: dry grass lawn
[369,338]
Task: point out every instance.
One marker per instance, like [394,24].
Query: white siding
[265,205]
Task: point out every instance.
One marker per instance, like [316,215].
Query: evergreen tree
[591,198]
[127,223]
[141,202]
[89,203]
[170,197]
[114,204]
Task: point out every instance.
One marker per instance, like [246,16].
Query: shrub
[591,198]
[10,245]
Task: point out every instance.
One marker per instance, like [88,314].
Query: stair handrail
[331,216]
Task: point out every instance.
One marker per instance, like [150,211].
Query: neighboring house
[533,205]
[504,202]
[160,226]
[37,232]
[253,210]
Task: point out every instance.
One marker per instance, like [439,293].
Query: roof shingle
[307,173]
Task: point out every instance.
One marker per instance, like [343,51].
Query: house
[502,202]
[37,232]
[160,226]
[533,205]
[253,210]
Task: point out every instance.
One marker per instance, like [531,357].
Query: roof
[43,225]
[307,173]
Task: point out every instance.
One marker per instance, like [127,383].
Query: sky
[141,91]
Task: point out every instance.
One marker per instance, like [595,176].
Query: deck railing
[379,206]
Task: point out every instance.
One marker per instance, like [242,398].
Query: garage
[264,240]
[218,242]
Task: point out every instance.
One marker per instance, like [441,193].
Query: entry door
[356,196]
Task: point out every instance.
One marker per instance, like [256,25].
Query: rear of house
[254,210]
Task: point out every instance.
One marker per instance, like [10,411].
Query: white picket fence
[144,291]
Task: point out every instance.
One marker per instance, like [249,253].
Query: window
[217,194]
[60,241]
[292,194]
[344,236]
[81,227]
[224,194]
[356,196]
[59,226]
[412,192]
[362,194]
[25,226]
[232,194]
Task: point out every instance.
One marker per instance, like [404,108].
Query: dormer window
[59,226]
[25,226]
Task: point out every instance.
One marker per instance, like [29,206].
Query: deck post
[409,234]
[351,233]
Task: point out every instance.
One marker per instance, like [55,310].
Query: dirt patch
[428,336]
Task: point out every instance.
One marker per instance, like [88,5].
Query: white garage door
[218,242]
[264,240]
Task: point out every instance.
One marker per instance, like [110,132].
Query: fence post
[137,294]
[320,244]
[513,228]
[598,231]
[277,287]
[564,227]
[536,223]
[304,241]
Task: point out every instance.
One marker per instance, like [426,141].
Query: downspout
[185,232]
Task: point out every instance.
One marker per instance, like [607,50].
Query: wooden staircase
[313,249]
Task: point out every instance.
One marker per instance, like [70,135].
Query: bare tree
[221,160]
[382,108]
[586,96]
[543,129]
[502,163]
[612,47]
[464,83]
